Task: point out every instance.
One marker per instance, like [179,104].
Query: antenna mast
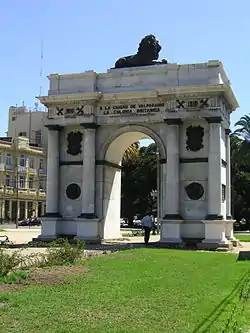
[41,69]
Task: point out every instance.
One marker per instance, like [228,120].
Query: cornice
[73,75]
[166,93]
[66,98]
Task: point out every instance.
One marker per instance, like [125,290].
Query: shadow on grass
[113,247]
[214,315]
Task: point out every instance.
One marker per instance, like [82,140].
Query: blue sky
[81,35]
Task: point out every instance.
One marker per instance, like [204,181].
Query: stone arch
[140,133]
[112,152]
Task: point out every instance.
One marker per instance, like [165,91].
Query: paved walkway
[23,236]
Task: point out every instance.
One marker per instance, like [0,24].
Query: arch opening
[112,178]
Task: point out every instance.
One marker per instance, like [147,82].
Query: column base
[87,216]
[215,236]
[211,217]
[52,215]
[49,229]
[171,231]
[88,230]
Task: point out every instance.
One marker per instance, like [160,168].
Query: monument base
[171,232]
[215,235]
[88,230]
[49,230]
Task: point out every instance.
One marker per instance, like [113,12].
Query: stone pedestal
[88,230]
[229,231]
[49,229]
[171,231]
[215,235]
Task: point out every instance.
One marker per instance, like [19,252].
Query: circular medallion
[194,191]
[73,191]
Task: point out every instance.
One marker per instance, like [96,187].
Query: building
[23,122]
[22,178]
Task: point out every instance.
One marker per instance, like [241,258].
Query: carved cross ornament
[71,111]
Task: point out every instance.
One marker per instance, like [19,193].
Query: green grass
[242,237]
[142,290]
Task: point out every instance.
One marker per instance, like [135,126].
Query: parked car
[123,223]
[31,221]
[137,223]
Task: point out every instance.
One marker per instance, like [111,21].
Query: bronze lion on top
[147,54]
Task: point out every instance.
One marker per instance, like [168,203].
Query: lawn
[142,290]
[242,237]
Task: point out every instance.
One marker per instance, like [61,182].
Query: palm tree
[244,130]
[132,154]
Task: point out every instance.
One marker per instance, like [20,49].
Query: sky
[80,35]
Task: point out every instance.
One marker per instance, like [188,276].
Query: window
[31,182]
[22,160]
[8,159]
[41,183]
[223,192]
[38,137]
[22,134]
[41,164]
[31,160]
[22,182]
[7,180]
[0,158]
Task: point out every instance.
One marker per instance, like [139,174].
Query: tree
[244,130]
[240,178]
[138,179]
[132,154]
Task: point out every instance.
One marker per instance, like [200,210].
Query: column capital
[89,125]
[173,121]
[213,120]
[227,131]
[53,127]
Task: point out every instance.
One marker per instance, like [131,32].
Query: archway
[113,152]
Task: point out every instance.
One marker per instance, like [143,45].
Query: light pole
[153,194]
[17,190]
[158,190]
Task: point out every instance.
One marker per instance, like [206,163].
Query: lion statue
[147,54]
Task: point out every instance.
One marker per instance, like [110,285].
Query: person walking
[147,222]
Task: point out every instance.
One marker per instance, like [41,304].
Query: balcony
[32,170]
[9,167]
[42,192]
[32,191]
[9,190]
[22,168]
[23,190]
[42,171]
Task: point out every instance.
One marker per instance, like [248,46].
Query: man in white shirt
[147,223]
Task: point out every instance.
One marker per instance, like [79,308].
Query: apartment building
[24,122]
[22,178]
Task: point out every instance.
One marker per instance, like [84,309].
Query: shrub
[65,254]
[9,261]
[15,276]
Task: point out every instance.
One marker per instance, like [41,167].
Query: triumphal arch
[94,117]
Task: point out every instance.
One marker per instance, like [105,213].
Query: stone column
[26,209]
[228,175]
[214,169]
[215,225]
[230,222]
[88,174]
[171,223]
[50,218]
[53,172]
[87,225]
